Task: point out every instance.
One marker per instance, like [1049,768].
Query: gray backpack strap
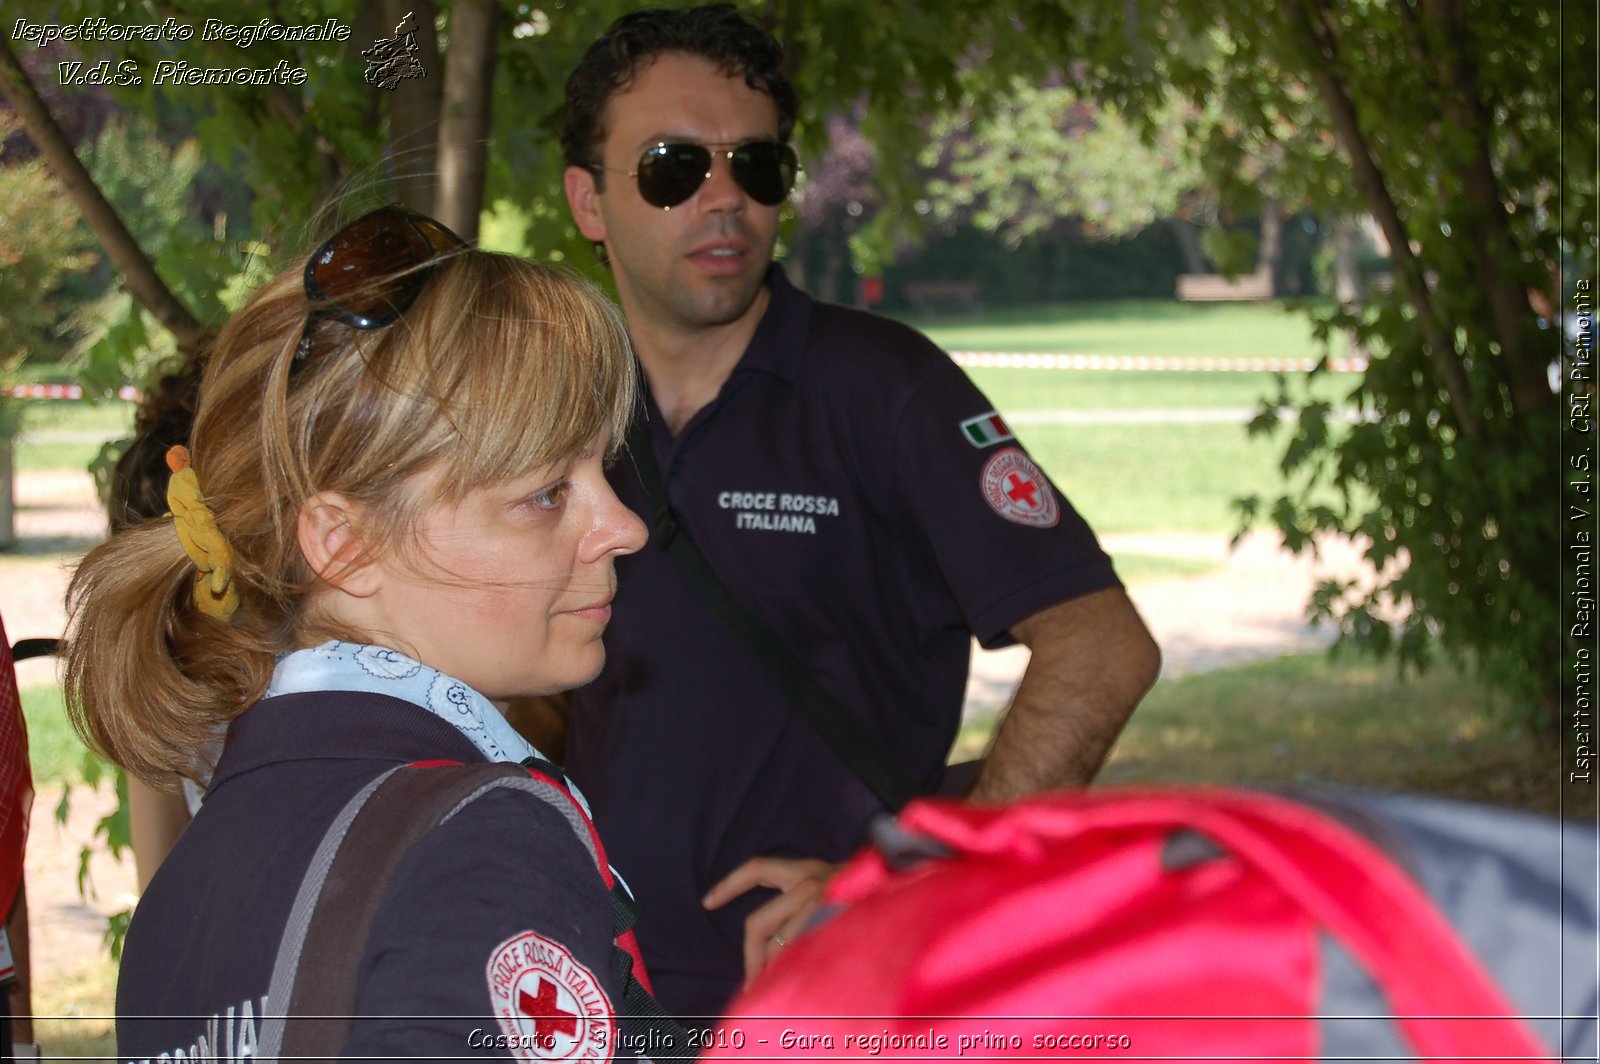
[314,977]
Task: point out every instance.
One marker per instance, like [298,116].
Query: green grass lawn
[62,435]
[71,1008]
[1155,478]
[111,416]
[1147,327]
[1014,390]
[56,456]
[54,751]
[1311,719]
[1175,476]
[77,1010]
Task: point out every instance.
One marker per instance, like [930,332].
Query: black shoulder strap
[842,730]
[314,976]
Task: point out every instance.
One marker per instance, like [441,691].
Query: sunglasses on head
[669,173]
[368,273]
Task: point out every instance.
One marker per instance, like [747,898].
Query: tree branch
[1311,27]
[140,278]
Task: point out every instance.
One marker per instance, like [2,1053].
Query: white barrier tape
[990,359]
[63,391]
[1147,364]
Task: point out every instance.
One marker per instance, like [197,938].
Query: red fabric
[16,781]
[1056,923]
[628,941]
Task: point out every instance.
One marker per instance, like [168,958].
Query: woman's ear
[329,533]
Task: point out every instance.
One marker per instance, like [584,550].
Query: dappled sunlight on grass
[73,1013]
[1312,719]
[1190,739]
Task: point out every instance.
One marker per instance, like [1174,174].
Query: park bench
[926,297]
[1215,288]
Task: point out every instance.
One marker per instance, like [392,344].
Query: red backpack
[1179,925]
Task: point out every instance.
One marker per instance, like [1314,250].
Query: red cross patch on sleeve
[1018,491]
[550,1007]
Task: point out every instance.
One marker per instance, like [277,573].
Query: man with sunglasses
[843,480]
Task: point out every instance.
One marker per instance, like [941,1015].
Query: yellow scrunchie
[197,529]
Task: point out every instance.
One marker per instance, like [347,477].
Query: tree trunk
[1269,246]
[1348,289]
[1346,262]
[464,118]
[8,506]
[1187,236]
[1049,268]
[139,274]
[368,25]
[413,110]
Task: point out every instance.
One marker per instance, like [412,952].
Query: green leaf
[117,932]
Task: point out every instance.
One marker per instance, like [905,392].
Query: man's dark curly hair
[715,32]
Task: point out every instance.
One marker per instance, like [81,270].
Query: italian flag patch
[986,429]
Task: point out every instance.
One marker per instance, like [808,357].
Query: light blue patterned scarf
[337,666]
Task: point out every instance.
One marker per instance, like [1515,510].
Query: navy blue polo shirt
[503,897]
[855,491]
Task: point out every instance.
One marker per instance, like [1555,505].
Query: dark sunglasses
[368,273]
[670,173]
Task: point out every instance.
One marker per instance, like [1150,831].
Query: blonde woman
[393,515]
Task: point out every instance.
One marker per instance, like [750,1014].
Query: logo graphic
[550,1007]
[986,429]
[391,60]
[1017,491]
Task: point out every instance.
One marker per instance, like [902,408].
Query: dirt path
[1252,606]
[57,519]
[1248,608]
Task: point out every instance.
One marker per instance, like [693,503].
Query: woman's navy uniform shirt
[498,909]
[856,492]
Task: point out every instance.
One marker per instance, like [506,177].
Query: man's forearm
[1092,660]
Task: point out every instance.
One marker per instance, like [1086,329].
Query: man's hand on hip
[777,923]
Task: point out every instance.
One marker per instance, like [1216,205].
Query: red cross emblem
[1016,490]
[551,1008]
[549,1018]
[1020,490]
